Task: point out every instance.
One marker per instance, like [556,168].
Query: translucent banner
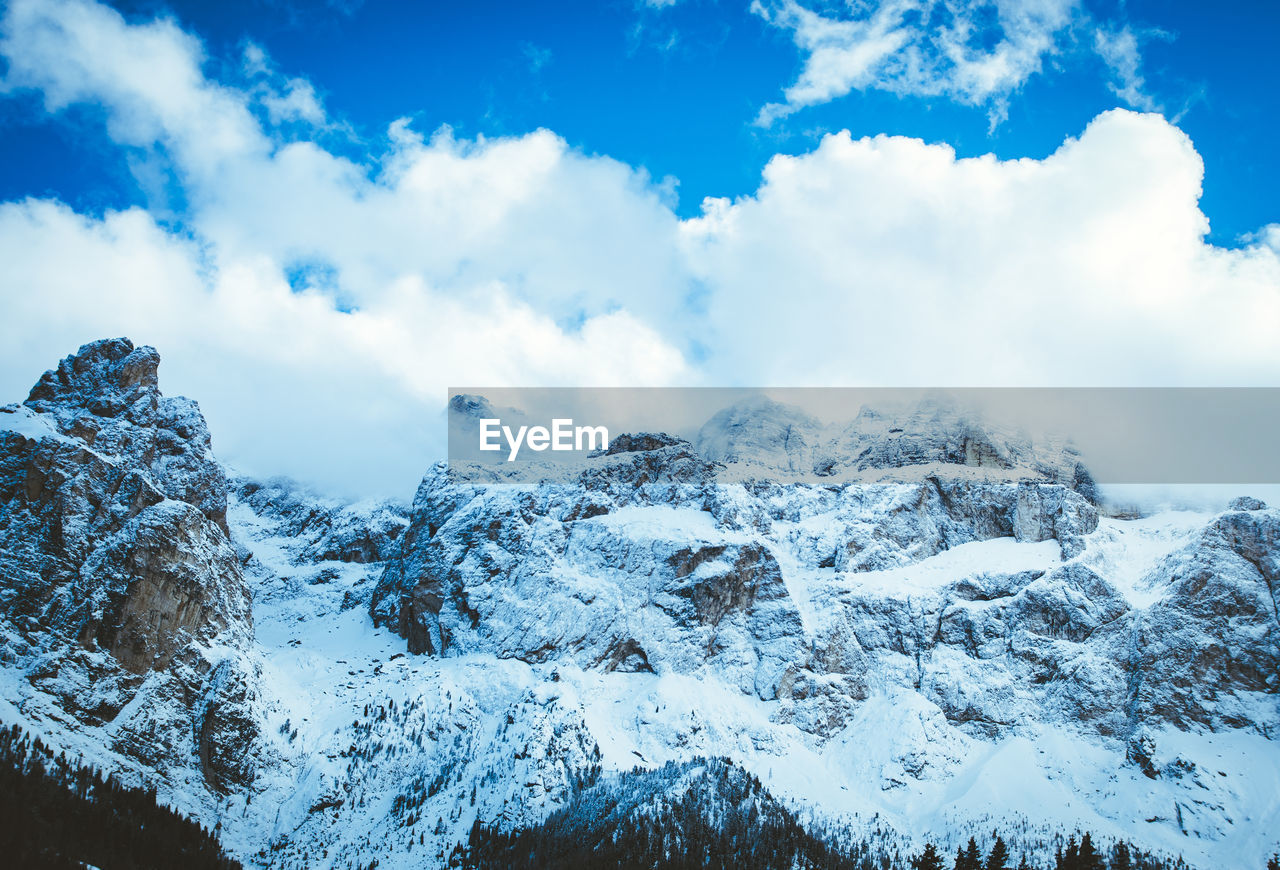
[1109,435]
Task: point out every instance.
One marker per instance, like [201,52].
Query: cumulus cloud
[889,261]
[977,52]
[349,296]
[283,99]
[318,307]
[291,383]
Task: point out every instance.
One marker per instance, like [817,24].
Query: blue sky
[325,215]
[675,89]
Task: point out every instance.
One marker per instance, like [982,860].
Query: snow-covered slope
[908,661]
[934,654]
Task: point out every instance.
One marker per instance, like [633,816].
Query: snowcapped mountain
[899,439]
[665,635]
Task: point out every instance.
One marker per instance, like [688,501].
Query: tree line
[710,813]
[56,813]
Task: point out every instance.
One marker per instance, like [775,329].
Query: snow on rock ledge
[650,562]
[122,596]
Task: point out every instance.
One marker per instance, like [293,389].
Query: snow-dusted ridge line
[935,658]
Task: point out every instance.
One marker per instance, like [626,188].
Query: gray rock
[115,561]
[107,396]
[325,528]
[1202,652]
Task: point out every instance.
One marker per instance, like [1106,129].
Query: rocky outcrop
[1208,652]
[903,441]
[765,433]
[505,569]
[114,551]
[646,466]
[107,396]
[648,561]
[901,643]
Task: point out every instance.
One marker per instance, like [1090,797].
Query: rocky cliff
[122,597]
[982,609]
[814,596]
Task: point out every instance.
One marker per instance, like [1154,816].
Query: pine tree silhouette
[1070,859]
[929,859]
[999,857]
[969,858]
[57,813]
[1120,858]
[1089,859]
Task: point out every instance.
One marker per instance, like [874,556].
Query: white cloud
[284,99]
[977,52]
[290,383]
[583,235]
[888,261]
[496,261]
[1119,50]
[512,261]
[148,75]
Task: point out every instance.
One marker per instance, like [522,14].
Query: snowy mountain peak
[108,378]
[659,639]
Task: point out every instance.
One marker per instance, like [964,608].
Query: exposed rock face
[1208,652]
[107,396]
[1045,512]
[113,540]
[886,652]
[166,579]
[652,562]
[763,432]
[1247,503]
[642,441]
[323,554]
[906,641]
[649,562]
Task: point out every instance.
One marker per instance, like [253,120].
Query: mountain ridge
[368,681]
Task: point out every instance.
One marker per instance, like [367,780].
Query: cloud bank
[319,306]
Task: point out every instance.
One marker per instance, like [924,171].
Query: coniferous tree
[1070,859]
[1274,863]
[969,858]
[929,859]
[1089,858]
[999,857]
[727,821]
[56,813]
